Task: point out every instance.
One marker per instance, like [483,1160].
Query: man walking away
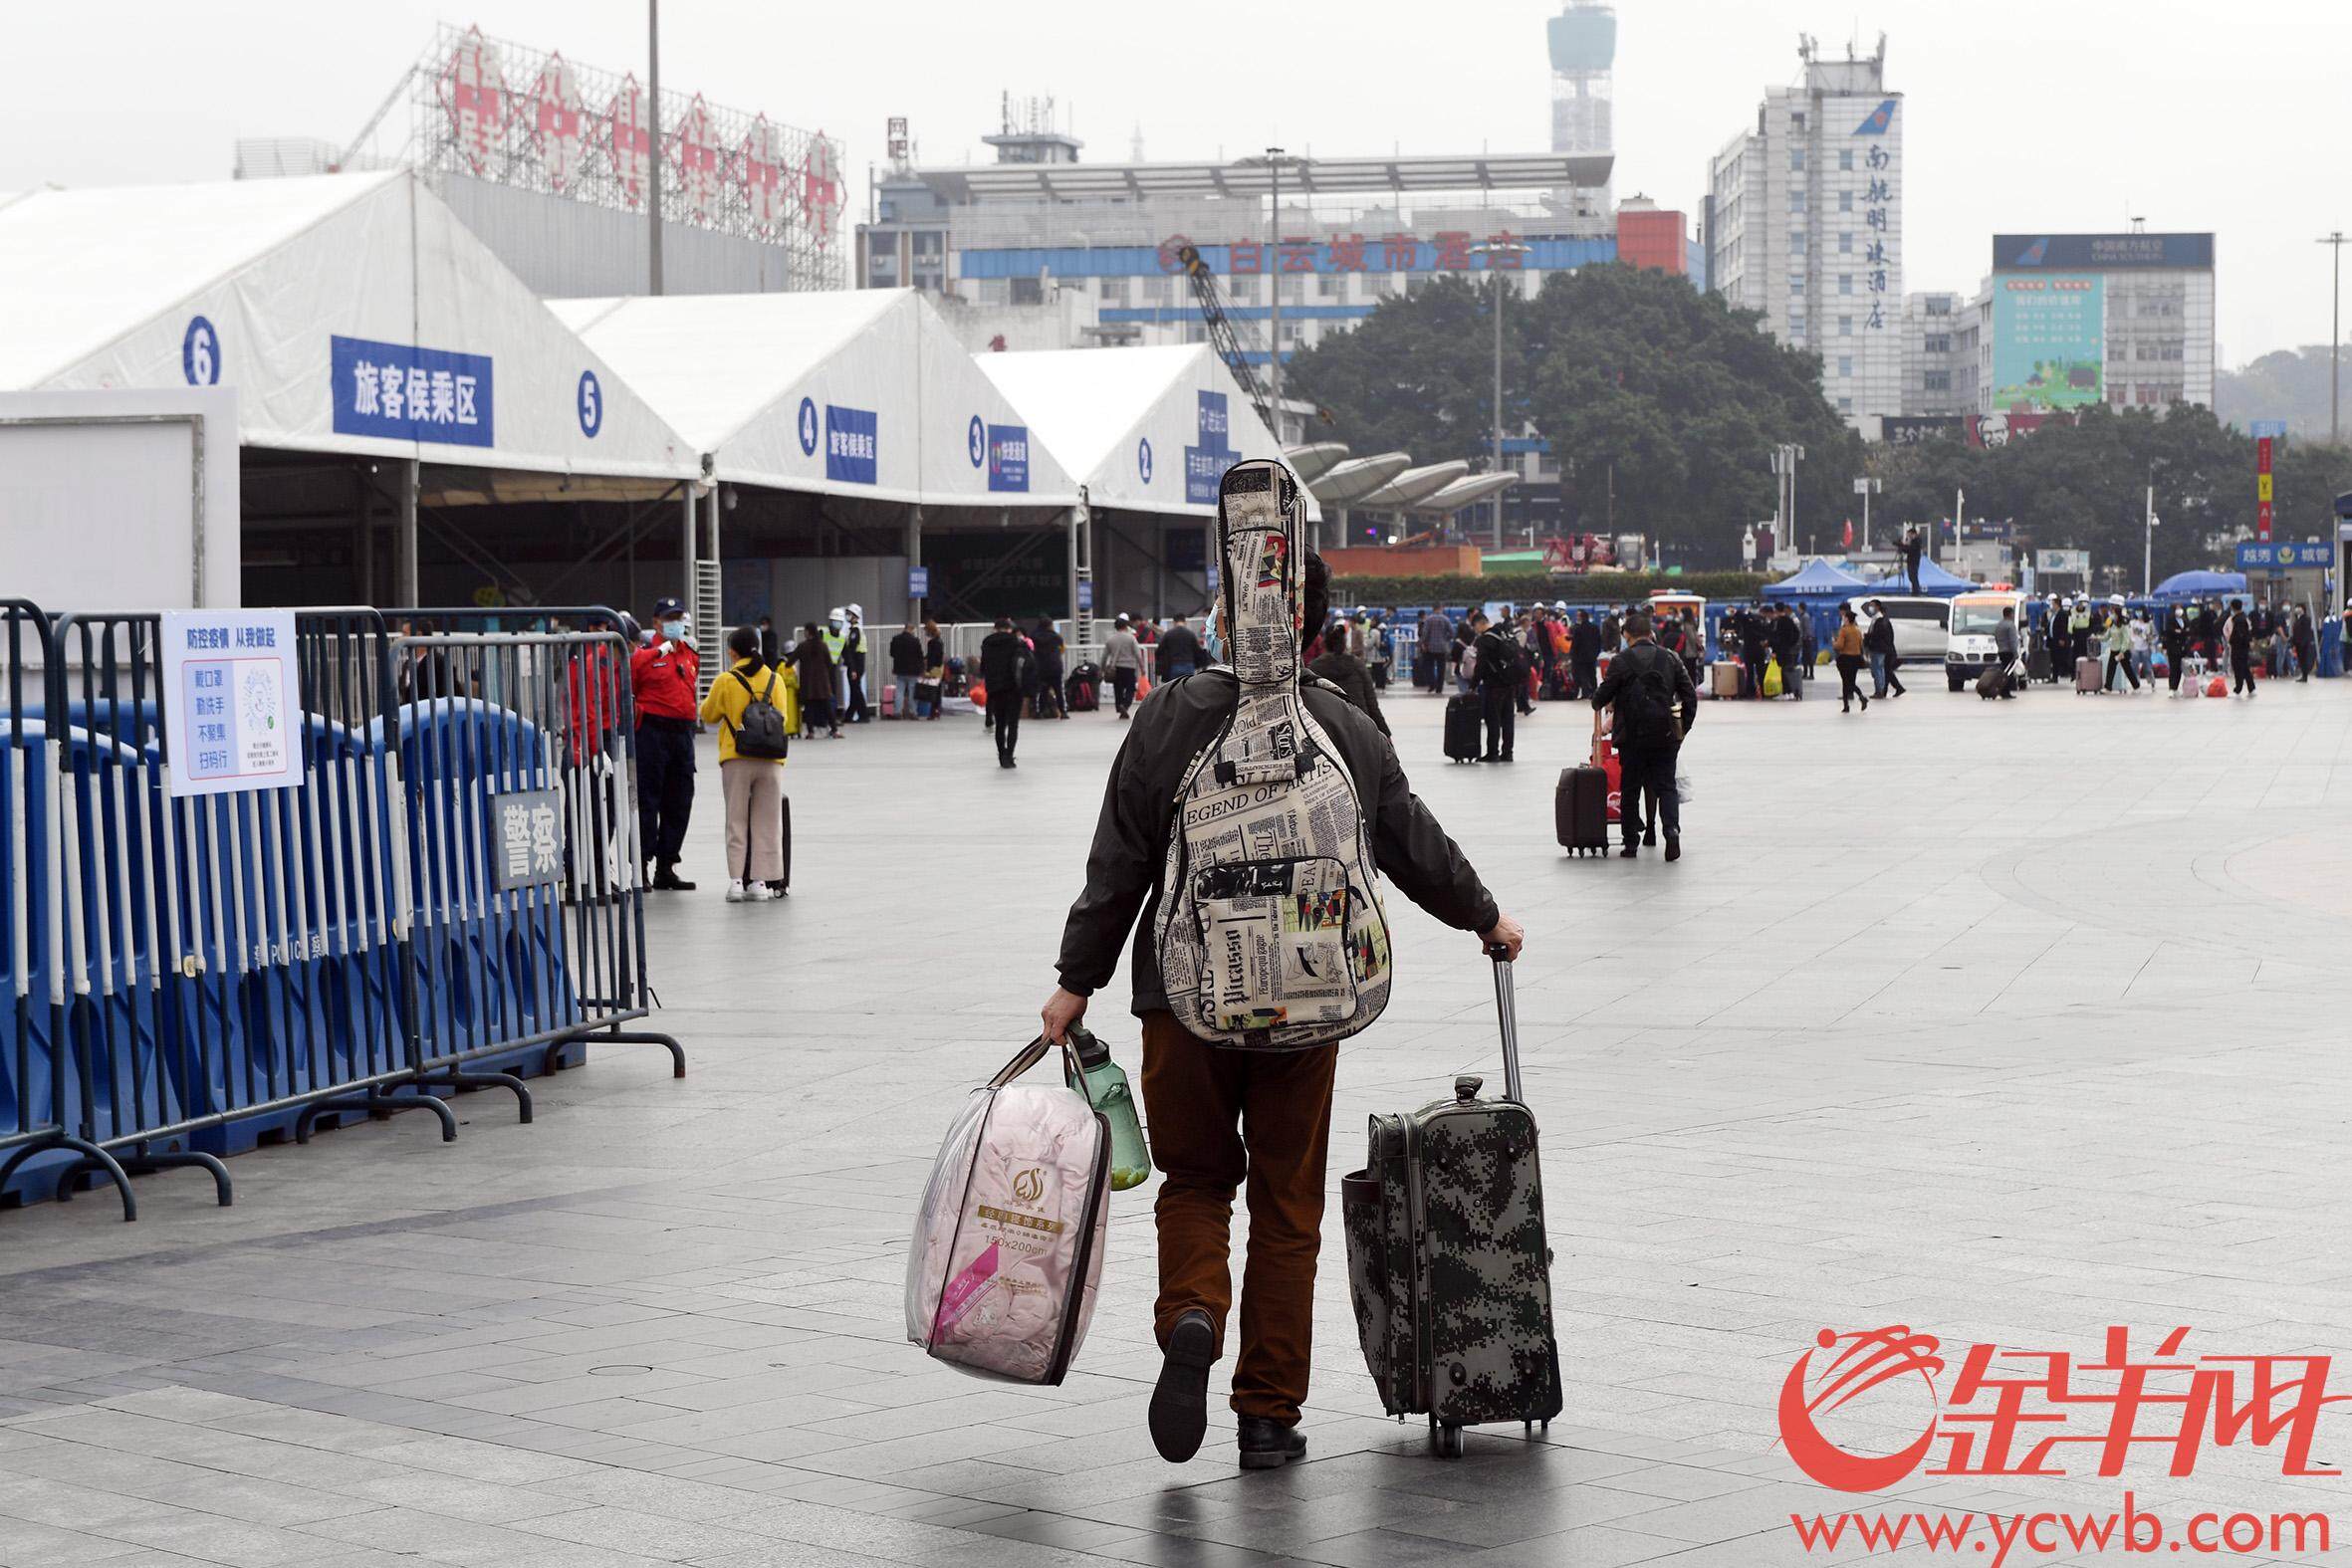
[906,667]
[1584,656]
[663,675]
[1913,548]
[1789,647]
[2238,632]
[1122,661]
[1653,703]
[1498,683]
[2004,651]
[1432,652]
[1052,702]
[2306,644]
[1180,651]
[1006,667]
[1227,1121]
[1879,643]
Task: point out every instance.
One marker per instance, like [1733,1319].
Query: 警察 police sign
[849,444]
[526,839]
[232,701]
[1008,457]
[397,392]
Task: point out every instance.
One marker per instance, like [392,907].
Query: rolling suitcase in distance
[1580,809]
[1465,726]
[2087,677]
[1724,679]
[1448,1268]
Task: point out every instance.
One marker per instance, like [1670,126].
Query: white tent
[353,314]
[1143,429]
[861,393]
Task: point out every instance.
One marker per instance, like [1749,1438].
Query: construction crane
[1223,335]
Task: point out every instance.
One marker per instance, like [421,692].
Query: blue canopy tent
[2198,584]
[1933,582]
[1817,579]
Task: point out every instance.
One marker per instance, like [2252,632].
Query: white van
[1968,652]
[1922,625]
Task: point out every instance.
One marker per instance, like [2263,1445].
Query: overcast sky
[2044,115]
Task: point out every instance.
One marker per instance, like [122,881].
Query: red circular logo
[1869,1360]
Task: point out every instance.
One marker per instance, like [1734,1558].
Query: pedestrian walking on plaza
[1913,548]
[1008,668]
[2118,643]
[1053,696]
[1179,652]
[1584,656]
[813,660]
[1432,652]
[2306,643]
[907,668]
[662,676]
[1846,648]
[2004,651]
[2137,634]
[853,668]
[2238,632]
[2171,635]
[1227,1121]
[752,785]
[1879,643]
[1497,676]
[1646,702]
[1122,661]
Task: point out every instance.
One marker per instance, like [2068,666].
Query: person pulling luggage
[1501,681]
[1649,702]
[1252,1116]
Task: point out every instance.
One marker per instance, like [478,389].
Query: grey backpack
[1269,930]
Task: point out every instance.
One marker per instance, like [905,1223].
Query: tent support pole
[914,559]
[686,547]
[363,549]
[1082,576]
[404,582]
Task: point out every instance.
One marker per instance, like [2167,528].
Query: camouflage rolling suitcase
[1448,1270]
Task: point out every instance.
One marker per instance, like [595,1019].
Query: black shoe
[667,880]
[1649,836]
[779,890]
[1673,847]
[1507,758]
[1180,1403]
[1269,1444]
[1628,852]
[1490,758]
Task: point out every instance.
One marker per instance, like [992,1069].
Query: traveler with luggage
[2118,643]
[1652,705]
[1122,661]
[2137,634]
[1430,653]
[1256,1050]
[906,667]
[1846,648]
[663,676]
[752,705]
[2004,651]
[2238,633]
[2172,637]
[812,659]
[1788,639]
[1500,682]
[1007,668]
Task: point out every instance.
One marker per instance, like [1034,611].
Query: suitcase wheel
[1444,1440]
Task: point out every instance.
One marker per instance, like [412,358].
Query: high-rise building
[1804,224]
[1583,39]
[2071,320]
[1931,383]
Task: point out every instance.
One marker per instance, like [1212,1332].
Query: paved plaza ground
[2006,1022]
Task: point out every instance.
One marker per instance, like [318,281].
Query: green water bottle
[1105,1089]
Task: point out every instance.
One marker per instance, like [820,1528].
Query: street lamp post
[2335,345]
[1865,488]
[1490,250]
[1274,161]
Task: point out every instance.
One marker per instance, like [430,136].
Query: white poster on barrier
[233,700]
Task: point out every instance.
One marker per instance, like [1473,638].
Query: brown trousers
[1220,1117]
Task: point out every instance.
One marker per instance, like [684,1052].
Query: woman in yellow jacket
[754,786]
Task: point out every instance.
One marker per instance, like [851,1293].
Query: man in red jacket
[663,675]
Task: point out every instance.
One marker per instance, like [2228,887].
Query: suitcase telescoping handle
[1509,1014]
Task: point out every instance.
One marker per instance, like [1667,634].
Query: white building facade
[2066,321]
[1804,224]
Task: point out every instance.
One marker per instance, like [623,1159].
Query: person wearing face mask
[837,643]
[663,675]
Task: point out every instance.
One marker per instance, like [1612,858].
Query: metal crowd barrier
[188,976]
